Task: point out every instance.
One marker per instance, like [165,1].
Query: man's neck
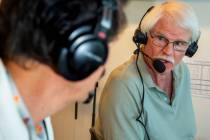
[39,89]
[163,80]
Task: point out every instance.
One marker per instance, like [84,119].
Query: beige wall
[66,128]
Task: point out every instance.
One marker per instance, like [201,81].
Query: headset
[141,38]
[80,51]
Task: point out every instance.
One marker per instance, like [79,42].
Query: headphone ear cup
[139,37]
[83,57]
[191,50]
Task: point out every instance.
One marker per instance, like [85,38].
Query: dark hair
[26,31]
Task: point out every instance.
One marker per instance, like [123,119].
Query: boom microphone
[157,63]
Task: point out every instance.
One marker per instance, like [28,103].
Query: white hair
[183,14]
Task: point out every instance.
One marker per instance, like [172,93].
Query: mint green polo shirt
[120,106]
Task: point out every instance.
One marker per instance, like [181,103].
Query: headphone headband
[105,24]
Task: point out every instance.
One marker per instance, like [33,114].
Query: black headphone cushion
[139,37]
[84,56]
[193,47]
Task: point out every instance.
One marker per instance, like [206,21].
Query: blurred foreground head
[70,36]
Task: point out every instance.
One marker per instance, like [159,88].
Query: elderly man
[149,96]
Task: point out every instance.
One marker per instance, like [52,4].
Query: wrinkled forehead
[168,27]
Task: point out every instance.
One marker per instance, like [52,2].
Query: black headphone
[141,38]
[88,47]
[80,51]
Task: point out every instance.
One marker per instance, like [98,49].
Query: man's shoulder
[182,67]
[182,71]
[125,71]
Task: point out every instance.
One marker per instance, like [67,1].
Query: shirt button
[165,98]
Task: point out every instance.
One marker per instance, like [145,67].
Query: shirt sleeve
[118,110]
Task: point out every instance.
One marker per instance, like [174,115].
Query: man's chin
[168,69]
[169,66]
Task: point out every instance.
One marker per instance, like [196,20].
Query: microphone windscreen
[159,65]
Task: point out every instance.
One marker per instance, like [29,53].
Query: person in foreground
[149,96]
[52,52]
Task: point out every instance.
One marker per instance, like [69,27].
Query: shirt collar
[144,72]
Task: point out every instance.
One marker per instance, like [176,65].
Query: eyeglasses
[161,41]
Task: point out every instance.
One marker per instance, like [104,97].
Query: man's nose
[169,48]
